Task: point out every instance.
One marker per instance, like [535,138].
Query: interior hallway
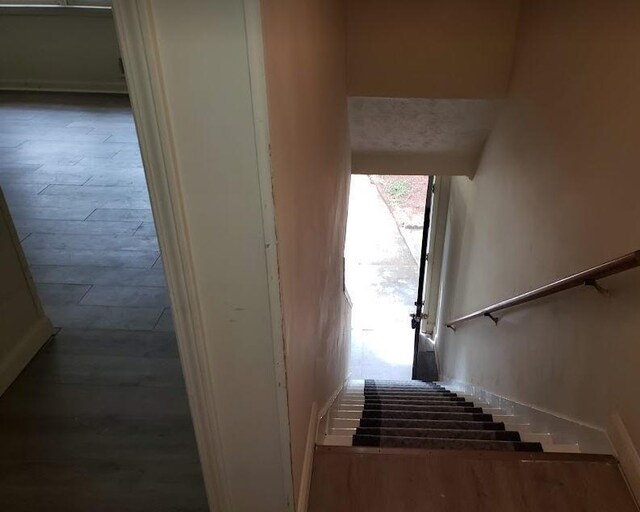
[99,419]
[381,279]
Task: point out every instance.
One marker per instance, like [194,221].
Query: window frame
[55,4]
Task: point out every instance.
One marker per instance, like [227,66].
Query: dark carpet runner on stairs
[414,414]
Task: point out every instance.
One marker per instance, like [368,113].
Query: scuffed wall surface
[556,192]
[306,83]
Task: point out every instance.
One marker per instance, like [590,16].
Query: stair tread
[400,414]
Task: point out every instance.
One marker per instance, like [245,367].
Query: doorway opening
[72,174]
[382,261]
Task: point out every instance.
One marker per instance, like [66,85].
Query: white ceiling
[418,135]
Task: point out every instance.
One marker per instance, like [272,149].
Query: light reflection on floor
[381,278]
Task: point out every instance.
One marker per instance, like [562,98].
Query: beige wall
[430,48]
[556,192]
[306,83]
[23,326]
[77,52]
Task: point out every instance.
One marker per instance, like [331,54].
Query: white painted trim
[327,405]
[64,86]
[253,23]
[565,430]
[23,351]
[437,226]
[307,466]
[324,418]
[315,420]
[37,334]
[136,36]
[53,10]
[627,453]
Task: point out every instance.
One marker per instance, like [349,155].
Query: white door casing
[205,82]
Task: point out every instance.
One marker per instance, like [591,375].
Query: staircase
[414,414]
[411,446]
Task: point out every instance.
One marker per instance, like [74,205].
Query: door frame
[135,29]
[435,251]
[424,358]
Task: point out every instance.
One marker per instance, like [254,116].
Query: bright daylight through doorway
[384,234]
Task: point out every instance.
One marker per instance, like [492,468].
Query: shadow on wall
[540,208]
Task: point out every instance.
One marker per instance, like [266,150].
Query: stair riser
[425,415]
[409,388]
[420,415]
[406,392]
[440,397]
[443,425]
[445,403]
[405,398]
[482,435]
[449,444]
[408,415]
[400,383]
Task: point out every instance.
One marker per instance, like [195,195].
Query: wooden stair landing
[358,479]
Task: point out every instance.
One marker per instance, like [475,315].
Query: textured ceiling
[449,133]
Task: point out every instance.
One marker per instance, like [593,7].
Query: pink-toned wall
[556,192]
[431,48]
[310,159]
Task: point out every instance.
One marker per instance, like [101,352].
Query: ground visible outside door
[381,278]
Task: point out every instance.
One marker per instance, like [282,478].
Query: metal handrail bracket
[588,277]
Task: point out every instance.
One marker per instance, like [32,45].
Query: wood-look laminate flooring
[347,479]
[99,419]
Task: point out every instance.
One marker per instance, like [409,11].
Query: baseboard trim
[63,86]
[327,405]
[307,466]
[626,452]
[590,438]
[23,352]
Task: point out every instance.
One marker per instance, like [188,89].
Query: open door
[24,327]
[423,321]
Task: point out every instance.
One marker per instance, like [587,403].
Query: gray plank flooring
[99,420]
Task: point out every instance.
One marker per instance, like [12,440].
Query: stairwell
[413,446]
[414,414]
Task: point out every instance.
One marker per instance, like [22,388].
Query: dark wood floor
[363,480]
[99,420]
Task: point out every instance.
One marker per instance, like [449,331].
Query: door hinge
[416,319]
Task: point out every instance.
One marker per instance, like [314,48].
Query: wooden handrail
[587,277]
